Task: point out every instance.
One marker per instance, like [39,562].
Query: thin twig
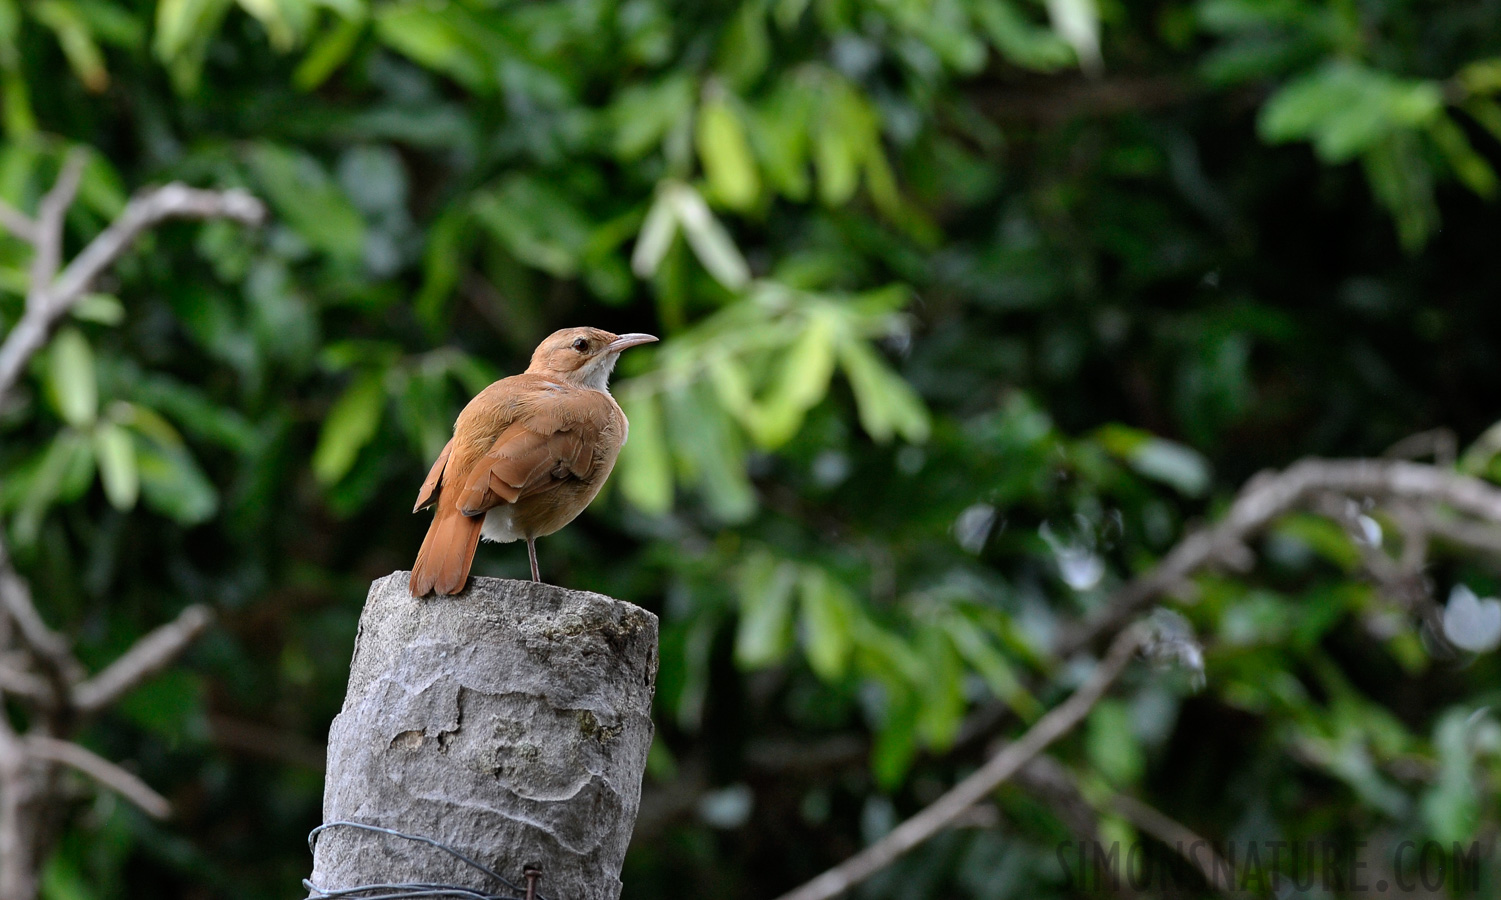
[101,770]
[48,236]
[145,658]
[24,684]
[17,223]
[1177,836]
[17,868]
[1058,786]
[48,647]
[942,812]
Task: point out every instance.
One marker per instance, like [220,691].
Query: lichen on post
[510,722]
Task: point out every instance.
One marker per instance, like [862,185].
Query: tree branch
[946,809]
[145,658]
[24,684]
[1058,786]
[47,646]
[1176,836]
[50,300]
[17,872]
[1271,495]
[101,770]
[17,223]
[48,234]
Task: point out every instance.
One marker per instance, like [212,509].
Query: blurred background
[971,310]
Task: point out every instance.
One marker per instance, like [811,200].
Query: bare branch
[280,745]
[53,300]
[101,770]
[1058,786]
[17,223]
[48,236]
[946,809]
[145,658]
[24,684]
[49,647]
[1273,494]
[1176,835]
[1440,443]
[17,803]
[171,201]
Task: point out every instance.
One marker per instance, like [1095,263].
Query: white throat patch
[595,374]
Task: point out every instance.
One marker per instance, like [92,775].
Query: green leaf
[20,120]
[1468,166]
[887,405]
[195,412]
[828,621]
[802,380]
[1451,807]
[981,652]
[710,242]
[76,40]
[308,200]
[746,47]
[1078,23]
[1176,465]
[10,31]
[432,36]
[273,16]
[708,450]
[780,136]
[725,152]
[645,467]
[61,463]
[655,238]
[1321,536]
[72,384]
[643,115]
[942,688]
[536,223]
[350,425]
[1345,109]
[449,240]
[183,31]
[169,705]
[764,588]
[328,53]
[896,743]
[173,485]
[115,454]
[836,152]
[102,309]
[1020,41]
[1111,745]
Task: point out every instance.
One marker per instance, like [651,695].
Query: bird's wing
[536,453]
[428,495]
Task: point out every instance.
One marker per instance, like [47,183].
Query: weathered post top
[510,722]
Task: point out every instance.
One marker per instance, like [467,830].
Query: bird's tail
[447,552]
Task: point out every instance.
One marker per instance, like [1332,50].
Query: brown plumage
[527,455]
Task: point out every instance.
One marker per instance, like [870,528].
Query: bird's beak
[626,341]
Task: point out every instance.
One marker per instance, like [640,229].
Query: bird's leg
[531,551]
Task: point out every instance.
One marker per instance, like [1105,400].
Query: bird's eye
[581,345]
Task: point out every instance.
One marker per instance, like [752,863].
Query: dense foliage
[970,307]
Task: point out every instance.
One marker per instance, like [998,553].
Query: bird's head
[582,356]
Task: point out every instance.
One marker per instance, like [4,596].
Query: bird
[528,453]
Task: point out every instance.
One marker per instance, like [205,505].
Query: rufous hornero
[527,455]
